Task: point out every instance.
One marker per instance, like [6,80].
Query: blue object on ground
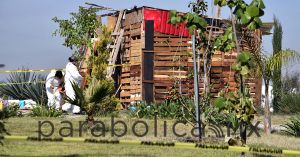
[132,108]
[22,104]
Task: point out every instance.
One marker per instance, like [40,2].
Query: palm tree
[91,99]
[267,66]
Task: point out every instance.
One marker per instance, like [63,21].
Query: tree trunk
[267,115]
[243,132]
[90,121]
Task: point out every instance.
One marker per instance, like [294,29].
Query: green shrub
[293,127]
[181,109]
[142,110]
[212,115]
[290,104]
[10,111]
[43,111]
[25,85]
[107,107]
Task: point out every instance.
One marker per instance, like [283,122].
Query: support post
[196,89]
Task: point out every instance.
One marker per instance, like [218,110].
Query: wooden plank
[125,80]
[125,87]
[169,53]
[167,44]
[136,41]
[111,22]
[171,58]
[178,40]
[168,63]
[135,32]
[169,49]
[135,44]
[133,17]
[124,94]
[125,74]
[136,91]
[170,73]
[157,34]
[136,25]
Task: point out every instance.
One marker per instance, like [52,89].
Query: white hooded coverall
[53,94]
[72,75]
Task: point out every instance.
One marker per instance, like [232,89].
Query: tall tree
[267,66]
[79,29]
[277,47]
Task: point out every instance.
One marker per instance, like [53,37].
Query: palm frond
[99,90]
[95,97]
[79,96]
[276,61]
[293,127]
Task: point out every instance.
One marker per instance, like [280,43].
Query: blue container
[22,104]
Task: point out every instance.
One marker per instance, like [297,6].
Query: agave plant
[25,85]
[293,127]
[91,100]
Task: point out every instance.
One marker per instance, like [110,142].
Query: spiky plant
[293,127]
[91,99]
[25,85]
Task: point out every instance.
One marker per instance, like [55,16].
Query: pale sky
[26,28]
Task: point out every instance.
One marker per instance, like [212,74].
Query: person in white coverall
[72,76]
[54,89]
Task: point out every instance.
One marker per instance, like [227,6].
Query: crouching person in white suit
[54,89]
[72,76]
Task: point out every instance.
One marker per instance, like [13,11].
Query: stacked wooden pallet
[171,58]
[170,65]
[131,60]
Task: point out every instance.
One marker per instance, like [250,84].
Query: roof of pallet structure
[161,18]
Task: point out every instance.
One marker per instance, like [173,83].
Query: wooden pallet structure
[156,55]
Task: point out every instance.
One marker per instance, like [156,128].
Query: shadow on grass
[262,155]
[83,155]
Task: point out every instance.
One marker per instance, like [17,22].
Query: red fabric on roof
[161,25]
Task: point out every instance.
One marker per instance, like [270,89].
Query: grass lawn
[89,149]
[28,126]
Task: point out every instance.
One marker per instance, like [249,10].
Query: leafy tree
[79,29]
[248,16]
[239,105]
[78,32]
[277,44]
